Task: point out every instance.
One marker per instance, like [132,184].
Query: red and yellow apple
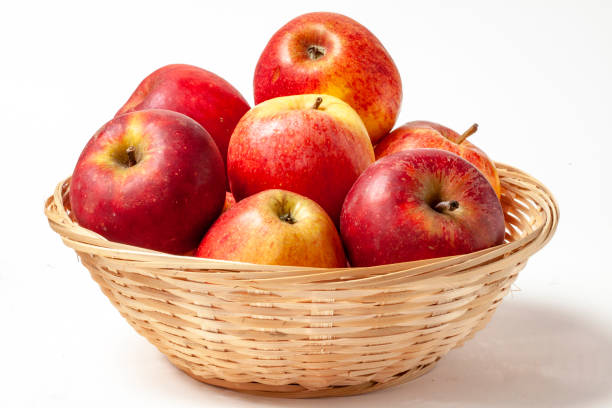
[313,145]
[332,54]
[152,178]
[423,134]
[275,227]
[203,96]
[419,204]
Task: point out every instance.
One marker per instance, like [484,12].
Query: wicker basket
[303,332]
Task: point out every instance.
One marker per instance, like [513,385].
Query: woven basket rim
[543,227]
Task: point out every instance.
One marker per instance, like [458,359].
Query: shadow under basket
[302,332]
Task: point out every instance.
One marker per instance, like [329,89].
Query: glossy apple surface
[419,204]
[151,178]
[332,54]
[203,96]
[275,227]
[423,134]
[290,144]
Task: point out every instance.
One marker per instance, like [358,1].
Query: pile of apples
[315,174]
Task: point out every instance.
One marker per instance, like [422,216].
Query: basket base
[297,391]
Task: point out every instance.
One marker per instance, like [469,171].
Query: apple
[419,204]
[152,178]
[203,96]
[329,53]
[313,145]
[275,227]
[423,134]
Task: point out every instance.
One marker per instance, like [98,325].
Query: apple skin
[203,96]
[254,231]
[424,134]
[389,214]
[165,201]
[285,143]
[355,68]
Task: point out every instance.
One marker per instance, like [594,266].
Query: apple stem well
[447,206]
[315,52]
[287,218]
[471,130]
[131,154]
[317,103]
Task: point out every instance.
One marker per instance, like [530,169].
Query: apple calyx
[131,155]
[287,218]
[471,130]
[446,206]
[317,103]
[315,52]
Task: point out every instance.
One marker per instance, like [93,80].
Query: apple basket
[309,332]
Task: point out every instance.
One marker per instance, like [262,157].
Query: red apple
[203,96]
[419,204]
[423,134]
[275,227]
[151,178]
[314,145]
[332,54]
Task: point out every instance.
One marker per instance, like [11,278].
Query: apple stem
[131,154]
[315,52]
[472,129]
[444,206]
[287,218]
[317,103]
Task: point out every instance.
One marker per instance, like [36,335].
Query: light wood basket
[303,332]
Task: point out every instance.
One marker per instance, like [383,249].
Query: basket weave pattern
[305,332]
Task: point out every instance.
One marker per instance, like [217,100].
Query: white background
[534,75]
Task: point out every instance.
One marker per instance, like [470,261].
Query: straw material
[304,332]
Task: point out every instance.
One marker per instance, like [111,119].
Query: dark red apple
[151,178]
[203,96]
[419,204]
